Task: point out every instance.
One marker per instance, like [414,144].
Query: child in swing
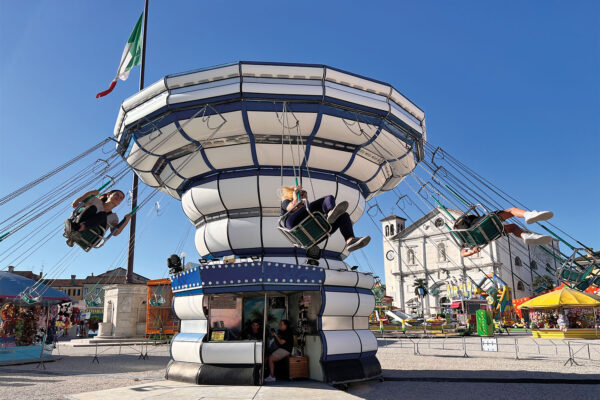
[95,212]
[336,214]
[529,238]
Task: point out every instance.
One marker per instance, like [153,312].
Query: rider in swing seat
[96,212]
[529,238]
[336,214]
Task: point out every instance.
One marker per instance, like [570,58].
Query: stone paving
[438,370]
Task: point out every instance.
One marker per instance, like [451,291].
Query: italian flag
[132,56]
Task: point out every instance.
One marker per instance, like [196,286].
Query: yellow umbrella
[565,297]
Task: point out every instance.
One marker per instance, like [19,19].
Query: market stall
[25,328]
[564,313]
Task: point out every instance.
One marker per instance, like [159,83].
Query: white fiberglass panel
[321,188]
[388,146]
[403,166]
[186,351]
[342,342]
[336,242]
[328,159]
[367,339]
[189,307]
[269,189]
[163,141]
[272,237]
[355,96]
[282,71]
[405,117]
[206,127]
[379,180]
[361,323]
[190,165]
[340,278]
[340,303]
[146,94]
[204,93]
[193,326]
[270,154]
[216,236]
[189,208]
[359,210]
[344,130]
[361,168]
[336,323]
[244,233]
[148,179]
[199,241]
[349,194]
[271,123]
[281,88]
[337,264]
[365,281]
[406,104]
[119,124]
[229,156]
[208,75]
[170,178]
[206,198]
[230,353]
[366,305]
[357,82]
[146,108]
[140,160]
[239,192]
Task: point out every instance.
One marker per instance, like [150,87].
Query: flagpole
[134,188]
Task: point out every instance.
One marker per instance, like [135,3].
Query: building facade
[426,250]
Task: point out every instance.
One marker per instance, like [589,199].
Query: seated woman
[336,214]
[529,238]
[97,211]
[285,340]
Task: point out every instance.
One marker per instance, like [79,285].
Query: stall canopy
[565,297]
[11,285]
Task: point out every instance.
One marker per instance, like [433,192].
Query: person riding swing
[470,221]
[93,212]
[294,204]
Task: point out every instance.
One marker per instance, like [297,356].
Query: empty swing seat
[484,230]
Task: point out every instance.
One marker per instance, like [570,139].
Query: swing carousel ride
[223,141]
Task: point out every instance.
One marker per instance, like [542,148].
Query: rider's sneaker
[358,243]
[535,216]
[535,238]
[270,378]
[70,242]
[337,210]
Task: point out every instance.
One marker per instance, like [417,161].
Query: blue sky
[510,89]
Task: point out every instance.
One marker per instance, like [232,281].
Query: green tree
[543,281]
[420,284]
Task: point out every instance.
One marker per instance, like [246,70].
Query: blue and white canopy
[12,285]
[188,126]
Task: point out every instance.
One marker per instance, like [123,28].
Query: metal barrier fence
[515,347]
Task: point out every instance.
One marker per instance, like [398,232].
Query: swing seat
[485,229]
[30,298]
[157,302]
[88,239]
[312,230]
[93,303]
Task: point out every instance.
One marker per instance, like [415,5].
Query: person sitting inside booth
[336,214]
[529,238]
[254,332]
[284,339]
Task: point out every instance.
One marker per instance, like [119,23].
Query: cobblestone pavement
[437,369]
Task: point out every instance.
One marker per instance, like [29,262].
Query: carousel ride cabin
[224,140]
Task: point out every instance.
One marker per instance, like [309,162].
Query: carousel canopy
[11,285]
[566,297]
